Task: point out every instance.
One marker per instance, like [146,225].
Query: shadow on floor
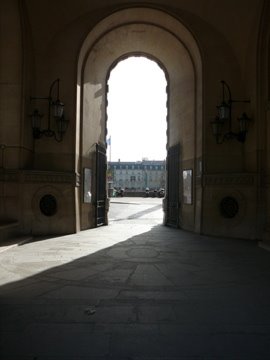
[160,294]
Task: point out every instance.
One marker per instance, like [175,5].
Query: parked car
[120,192]
[161,192]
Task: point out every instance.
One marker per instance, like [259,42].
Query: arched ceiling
[236,21]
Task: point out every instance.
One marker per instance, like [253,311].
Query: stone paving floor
[135,290]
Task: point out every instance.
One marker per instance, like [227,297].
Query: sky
[137,111]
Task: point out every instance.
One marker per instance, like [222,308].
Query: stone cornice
[38,176]
[9,175]
[47,177]
[233,179]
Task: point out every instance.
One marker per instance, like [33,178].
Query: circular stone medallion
[48,205]
[229,207]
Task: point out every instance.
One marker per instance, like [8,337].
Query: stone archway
[160,36]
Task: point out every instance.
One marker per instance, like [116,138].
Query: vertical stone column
[10,83]
[10,109]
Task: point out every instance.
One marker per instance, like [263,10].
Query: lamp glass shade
[224,111]
[243,123]
[61,124]
[36,120]
[58,108]
[217,126]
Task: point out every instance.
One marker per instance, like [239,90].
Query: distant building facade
[137,175]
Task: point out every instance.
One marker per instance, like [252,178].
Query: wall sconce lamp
[55,109]
[225,115]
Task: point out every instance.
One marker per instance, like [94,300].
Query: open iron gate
[101,169]
[173,173]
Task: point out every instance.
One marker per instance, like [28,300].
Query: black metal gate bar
[173,169]
[101,169]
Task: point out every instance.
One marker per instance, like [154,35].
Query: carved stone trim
[34,176]
[9,176]
[234,179]
[48,177]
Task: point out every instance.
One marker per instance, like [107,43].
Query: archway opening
[121,35]
[136,139]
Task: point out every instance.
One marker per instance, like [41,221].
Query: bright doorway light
[137,111]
